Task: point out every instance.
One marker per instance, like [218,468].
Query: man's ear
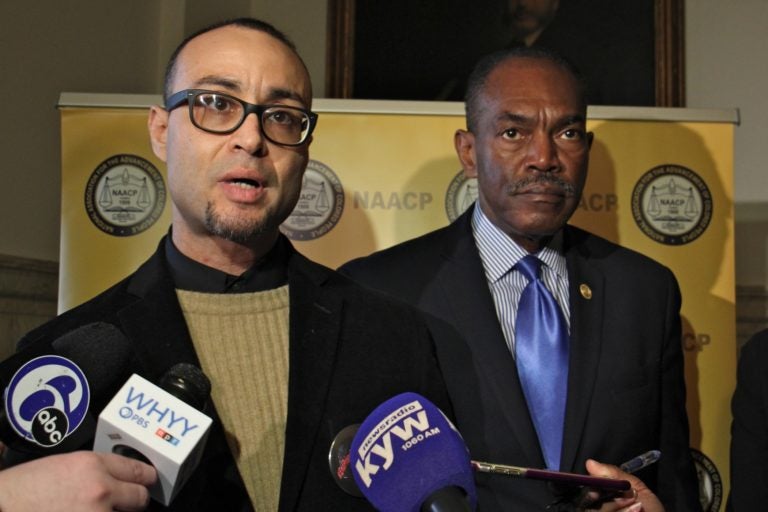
[158,130]
[464,142]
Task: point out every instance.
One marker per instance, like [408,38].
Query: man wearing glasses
[295,352]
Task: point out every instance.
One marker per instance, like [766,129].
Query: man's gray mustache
[567,189]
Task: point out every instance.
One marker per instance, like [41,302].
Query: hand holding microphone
[159,425]
[82,481]
[50,391]
[407,456]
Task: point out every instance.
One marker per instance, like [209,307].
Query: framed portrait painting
[630,52]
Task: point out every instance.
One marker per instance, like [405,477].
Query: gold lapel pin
[586,291]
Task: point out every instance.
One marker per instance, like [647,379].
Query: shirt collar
[499,253]
[268,273]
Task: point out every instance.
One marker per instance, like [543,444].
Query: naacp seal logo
[461,193]
[125,195]
[710,483]
[672,205]
[320,204]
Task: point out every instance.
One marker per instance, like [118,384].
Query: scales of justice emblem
[129,187]
[672,204]
[125,195]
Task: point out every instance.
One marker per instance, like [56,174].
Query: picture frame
[401,47]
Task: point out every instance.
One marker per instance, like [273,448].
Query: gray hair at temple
[479,76]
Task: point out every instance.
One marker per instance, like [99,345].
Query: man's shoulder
[103,307]
[755,350]
[610,254]
[418,254]
[357,297]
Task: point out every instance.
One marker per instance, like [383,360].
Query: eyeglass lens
[221,113]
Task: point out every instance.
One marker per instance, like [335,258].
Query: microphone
[51,387]
[339,460]
[407,456]
[161,426]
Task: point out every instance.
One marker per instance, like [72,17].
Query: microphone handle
[447,499]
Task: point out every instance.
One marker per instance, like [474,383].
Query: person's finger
[622,500]
[129,470]
[129,497]
[131,478]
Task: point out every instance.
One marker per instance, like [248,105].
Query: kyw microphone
[161,426]
[407,457]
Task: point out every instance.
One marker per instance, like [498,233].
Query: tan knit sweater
[242,342]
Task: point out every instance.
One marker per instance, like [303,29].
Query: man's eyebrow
[574,119]
[520,118]
[279,93]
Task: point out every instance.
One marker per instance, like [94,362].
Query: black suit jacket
[749,430]
[626,389]
[350,350]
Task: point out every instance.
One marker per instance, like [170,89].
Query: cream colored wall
[46,47]
[726,67]
[726,45]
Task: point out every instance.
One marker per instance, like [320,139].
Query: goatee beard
[240,231]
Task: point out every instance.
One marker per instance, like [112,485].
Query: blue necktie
[541,352]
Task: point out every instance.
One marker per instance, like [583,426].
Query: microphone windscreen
[101,351]
[188,383]
[51,387]
[405,451]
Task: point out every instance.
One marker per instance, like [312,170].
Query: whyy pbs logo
[47,399]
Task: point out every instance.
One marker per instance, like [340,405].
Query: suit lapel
[315,320]
[314,326]
[461,289]
[587,299]
[156,325]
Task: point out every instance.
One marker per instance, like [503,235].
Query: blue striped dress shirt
[499,254]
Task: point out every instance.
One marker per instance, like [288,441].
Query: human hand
[639,498]
[83,481]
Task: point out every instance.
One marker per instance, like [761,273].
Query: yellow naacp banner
[660,182]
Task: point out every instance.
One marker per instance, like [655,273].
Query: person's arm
[83,481]
[749,430]
[676,480]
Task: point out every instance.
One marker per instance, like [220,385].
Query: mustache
[567,189]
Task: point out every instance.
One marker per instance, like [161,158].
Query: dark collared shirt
[268,273]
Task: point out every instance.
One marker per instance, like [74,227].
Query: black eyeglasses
[215,112]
